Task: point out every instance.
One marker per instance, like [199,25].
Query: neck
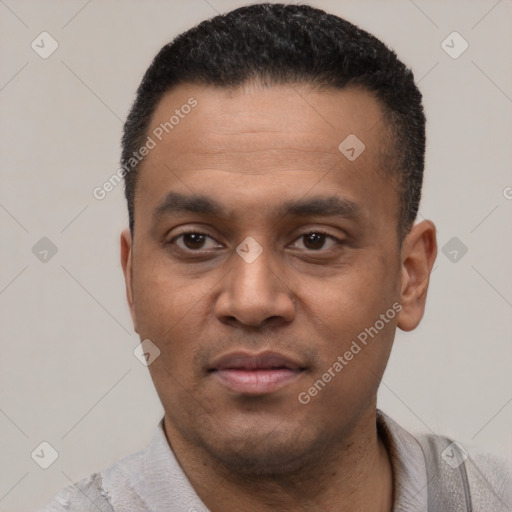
[355,475]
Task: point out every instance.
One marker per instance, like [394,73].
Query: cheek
[171,310]
[164,301]
[361,337]
[352,364]
[355,297]
[357,311]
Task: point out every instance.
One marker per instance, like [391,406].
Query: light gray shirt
[151,480]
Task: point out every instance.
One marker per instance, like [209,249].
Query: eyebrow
[175,203]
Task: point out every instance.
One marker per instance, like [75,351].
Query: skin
[251,149]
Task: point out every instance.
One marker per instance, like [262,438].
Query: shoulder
[93,494]
[479,478]
[86,495]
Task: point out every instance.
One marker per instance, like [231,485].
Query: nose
[254,294]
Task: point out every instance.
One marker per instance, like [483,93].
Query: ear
[418,254]
[126,262]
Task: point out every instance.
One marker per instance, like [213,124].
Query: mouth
[255,374]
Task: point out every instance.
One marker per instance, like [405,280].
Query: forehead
[267,142]
[254,117]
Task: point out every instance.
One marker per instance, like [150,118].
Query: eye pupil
[193,240]
[314,240]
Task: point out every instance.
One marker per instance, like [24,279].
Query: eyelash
[196,232]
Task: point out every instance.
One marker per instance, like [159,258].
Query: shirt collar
[408,463]
[151,480]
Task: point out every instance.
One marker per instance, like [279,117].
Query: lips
[255,374]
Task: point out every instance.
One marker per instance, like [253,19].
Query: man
[273,163]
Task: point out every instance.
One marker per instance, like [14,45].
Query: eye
[194,241]
[316,240]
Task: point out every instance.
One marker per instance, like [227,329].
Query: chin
[264,461]
[264,451]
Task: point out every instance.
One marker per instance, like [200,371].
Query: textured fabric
[408,463]
[87,495]
[470,482]
[151,480]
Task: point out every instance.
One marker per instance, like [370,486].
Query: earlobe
[418,254]
[126,263]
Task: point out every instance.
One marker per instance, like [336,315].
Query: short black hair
[286,44]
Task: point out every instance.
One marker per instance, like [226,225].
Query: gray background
[68,373]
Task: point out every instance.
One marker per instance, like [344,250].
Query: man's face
[244,335]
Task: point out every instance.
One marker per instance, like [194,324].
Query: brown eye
[194,241]
[316,241]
